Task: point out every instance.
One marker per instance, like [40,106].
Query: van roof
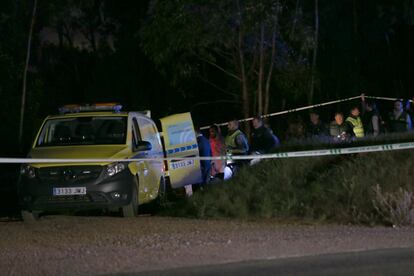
[99,113]
[88,114]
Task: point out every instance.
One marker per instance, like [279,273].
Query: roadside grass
[325,143]
[366,188]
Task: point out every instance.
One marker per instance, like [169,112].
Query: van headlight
[113,169]
[28,171]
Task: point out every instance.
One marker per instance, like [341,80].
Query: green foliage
[191,38]
[126,44]
[396,207]
[328,188]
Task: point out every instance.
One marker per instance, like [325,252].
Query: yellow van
[103,132]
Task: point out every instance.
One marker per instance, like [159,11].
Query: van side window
[150,133]
[136,136]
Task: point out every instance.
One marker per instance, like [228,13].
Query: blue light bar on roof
[76,108]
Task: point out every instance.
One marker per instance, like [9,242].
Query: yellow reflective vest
[231,144]
[357,126]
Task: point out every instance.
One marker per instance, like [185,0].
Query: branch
[216,86]
[67,34]
[219,67]
[224,54]
[214,102]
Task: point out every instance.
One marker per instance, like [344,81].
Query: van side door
[180,141]
[141,168]
[149,133]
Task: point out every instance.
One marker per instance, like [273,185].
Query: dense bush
[339,188]
[395,207]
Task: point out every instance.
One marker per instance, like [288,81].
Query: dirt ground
[79,245]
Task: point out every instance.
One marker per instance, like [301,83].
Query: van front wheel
[131,210]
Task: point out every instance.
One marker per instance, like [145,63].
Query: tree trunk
[295,20]
[26,66]
[356,46]
[269,75]
[260,76]
[315,53]
[244,84]
[245,93]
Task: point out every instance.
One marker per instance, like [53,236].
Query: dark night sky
[90,51]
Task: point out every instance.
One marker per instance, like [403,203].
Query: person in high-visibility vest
[236,141]
[355,123]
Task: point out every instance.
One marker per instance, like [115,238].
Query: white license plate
[69,191]
[182,164]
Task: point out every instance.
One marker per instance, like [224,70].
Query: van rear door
[180,141]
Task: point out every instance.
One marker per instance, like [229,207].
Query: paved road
[79,245]
[375,262]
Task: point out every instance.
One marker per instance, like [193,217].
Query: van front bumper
[102,191]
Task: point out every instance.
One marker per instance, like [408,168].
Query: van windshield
[93,130]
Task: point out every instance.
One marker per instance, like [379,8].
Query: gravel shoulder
[77,245]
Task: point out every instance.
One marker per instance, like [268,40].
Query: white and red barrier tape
[308,153]
[310,107]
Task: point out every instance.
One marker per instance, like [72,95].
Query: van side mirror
[142,146]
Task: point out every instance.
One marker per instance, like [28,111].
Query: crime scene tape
[387,98]
[309,107]
[290,110]
[309,153]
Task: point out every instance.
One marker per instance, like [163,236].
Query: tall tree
[240,39]
[315,53]
[26,67]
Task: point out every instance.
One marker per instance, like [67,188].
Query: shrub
[395,207]
[335,188]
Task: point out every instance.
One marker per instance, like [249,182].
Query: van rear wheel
[131,210]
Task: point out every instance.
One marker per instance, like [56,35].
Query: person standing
[315,127]
[355,123]
[204,149]
[263,139]
[236,141]
[338,130]
[236,144]
[371,118]
[409,107]
[295,131]
[399,120]
[218,149]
